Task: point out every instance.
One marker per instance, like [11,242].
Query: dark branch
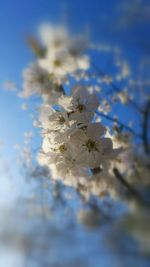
[145,127]
[122,125]
[129,187]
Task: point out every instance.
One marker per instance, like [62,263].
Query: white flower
[57,38]
[51,120]
[58,154]
[66,169]
[43,159]
[62,63]
[64,54]
[38,81]
[81,106]
[52,97]
[54,37]
[71,173]
[89,148]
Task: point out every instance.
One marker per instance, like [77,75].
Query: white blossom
[52,36]
[75,146]
[64,53]
[38,81]
[62,63]
[90,148]
[81,106]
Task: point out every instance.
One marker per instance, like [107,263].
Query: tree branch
[129,187]
[145,127]
[117,89]
[119,123]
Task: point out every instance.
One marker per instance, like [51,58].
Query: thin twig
[129,99]
[117,89]
[119,123]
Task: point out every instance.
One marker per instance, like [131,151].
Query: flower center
[57,63]
[81,107]
[61,120]
[91,145]
[62,148]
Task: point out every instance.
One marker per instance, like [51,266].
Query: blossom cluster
[58,55]
[73,144]
[76,147]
